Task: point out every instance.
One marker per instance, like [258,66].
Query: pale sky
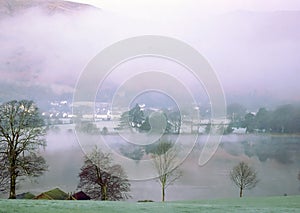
[250,52]
[147,8]
[187,20]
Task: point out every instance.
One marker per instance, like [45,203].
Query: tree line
[146,120]
[284,119]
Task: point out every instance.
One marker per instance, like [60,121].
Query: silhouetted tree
[145,126]
[88,128]
[208,128]
[249,122]
[156,122]
[164,159]
[22,134]
[262,119]
[133,118]
[145,121]
[132,151]
[243,176]
[101,179]
[104,131]
[136,116]
[286,119]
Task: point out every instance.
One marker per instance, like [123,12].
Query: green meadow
[251,204]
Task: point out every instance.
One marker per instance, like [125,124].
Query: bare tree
[101,179]
[4,174]
[21,135]
[243,176]
[164,160]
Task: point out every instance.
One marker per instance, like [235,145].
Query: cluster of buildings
[55,194]
[61,112]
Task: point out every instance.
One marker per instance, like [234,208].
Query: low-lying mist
[277,170]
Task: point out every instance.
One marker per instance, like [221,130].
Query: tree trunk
[163,193]
[241,192]
[104,192]
[12,191]
[13,177]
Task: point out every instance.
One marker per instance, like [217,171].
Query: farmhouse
[54,194]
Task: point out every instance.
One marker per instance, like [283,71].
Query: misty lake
[251,52]
[275,157]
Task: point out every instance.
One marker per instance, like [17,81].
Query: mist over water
[254,54]
[276,159]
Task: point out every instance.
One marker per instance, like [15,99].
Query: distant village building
[239,130]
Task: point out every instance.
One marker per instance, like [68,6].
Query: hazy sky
[252,53]
[146,8]
[248,52]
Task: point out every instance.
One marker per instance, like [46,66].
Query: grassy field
[257,204]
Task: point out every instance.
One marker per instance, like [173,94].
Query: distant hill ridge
[11,7]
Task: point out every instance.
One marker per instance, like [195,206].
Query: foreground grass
[266,204]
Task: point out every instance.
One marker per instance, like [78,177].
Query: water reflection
[276,158]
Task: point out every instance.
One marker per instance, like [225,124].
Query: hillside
[266,204]
[13,7]
[47,43]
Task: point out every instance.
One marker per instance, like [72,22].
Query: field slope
[257,204]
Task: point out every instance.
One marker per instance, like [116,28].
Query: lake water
[275,157]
